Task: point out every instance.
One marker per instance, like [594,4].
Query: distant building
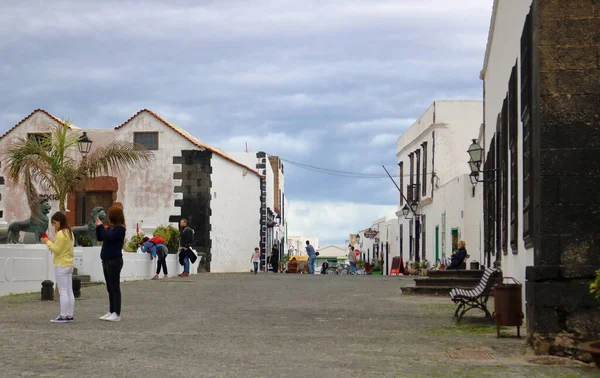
[434,178]
[297,244]
[219,195]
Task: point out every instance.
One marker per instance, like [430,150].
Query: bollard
[47,290]
[76,287]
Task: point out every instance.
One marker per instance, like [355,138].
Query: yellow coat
[62,249]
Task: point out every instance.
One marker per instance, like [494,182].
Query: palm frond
[116,156]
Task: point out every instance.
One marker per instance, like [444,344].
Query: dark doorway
[87,201]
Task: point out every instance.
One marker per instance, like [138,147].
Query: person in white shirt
[352,259]
[255,259]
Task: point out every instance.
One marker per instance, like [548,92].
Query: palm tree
[47,161]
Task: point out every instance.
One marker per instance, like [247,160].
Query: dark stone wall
[261,168]
[195,204]
[560,310]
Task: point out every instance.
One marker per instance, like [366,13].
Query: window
[423,242]
[146,140]
[503,160]
[432,161]
[513,109]
[526,102]
[424,147]
[40,137]
[411,157]
[401,173]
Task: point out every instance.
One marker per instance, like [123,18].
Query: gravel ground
[241,325]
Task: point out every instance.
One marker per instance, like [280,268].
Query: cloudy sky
[328,83]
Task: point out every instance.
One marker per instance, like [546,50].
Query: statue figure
[36,224]
[90,228]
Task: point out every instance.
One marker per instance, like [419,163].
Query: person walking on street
[312,256]
[352,259]
[255,259]
[185,242]
[112,238]
[62,249]
[275,258]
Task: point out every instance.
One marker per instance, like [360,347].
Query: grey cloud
[317,81]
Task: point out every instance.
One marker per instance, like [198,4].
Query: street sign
[370,233]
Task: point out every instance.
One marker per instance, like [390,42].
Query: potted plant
[282,265]
[593,347]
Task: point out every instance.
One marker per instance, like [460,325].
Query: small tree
[47,162]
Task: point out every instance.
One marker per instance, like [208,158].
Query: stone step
[455,273]
[431,290]
[83,278]
[451,282]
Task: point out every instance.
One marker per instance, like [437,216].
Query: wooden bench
[475,298]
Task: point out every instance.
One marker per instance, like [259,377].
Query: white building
[540,158]
[219,195]
[273,201]
[434,173]
[297,244]
[386,239]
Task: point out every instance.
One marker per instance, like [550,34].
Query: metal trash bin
[474,265]
[508,305]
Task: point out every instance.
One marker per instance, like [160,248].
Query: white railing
[23,267]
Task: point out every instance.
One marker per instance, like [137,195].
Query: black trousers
[275,263]
[162,263]
[112,276]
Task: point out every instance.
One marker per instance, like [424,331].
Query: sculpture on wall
[90,228]
[36,224]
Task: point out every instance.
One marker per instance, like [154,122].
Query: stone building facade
[542,145]
[219,195]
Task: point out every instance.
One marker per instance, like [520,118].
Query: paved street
[241,325]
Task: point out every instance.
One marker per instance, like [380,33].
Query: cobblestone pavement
[241,325]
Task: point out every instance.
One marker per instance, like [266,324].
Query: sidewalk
[269,325]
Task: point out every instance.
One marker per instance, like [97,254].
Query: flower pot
[377,273]
[593,348]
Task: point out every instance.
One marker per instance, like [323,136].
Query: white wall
[14,202]
[462,211]
[23,267]
[235,218]
[504,50]
[136,266]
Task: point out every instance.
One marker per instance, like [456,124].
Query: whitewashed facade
[388,234]
[218,194]
[503,50]
[433,171]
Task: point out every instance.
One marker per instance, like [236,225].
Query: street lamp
[476,158]
[278,218]
[476,153]
[84,144]
[357,238]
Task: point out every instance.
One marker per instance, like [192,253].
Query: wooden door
[87,201]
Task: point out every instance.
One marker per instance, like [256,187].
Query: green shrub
[171,236]
[85,241]
[132,245]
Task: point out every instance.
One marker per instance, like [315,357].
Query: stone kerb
[23,267]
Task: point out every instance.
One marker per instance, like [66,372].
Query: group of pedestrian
[274,259]
[112,237]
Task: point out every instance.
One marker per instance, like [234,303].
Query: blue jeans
[255,266]
[352,266]
[311,264]
[186,265]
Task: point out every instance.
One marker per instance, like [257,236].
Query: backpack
[157,240]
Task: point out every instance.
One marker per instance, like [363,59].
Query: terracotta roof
[190,138]
[30,115]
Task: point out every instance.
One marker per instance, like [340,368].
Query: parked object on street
[508,309]
[475,298]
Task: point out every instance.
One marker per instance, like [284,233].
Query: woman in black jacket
[112,238]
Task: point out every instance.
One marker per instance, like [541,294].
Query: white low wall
[23,267]
[136,266]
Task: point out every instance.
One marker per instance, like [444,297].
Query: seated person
[324,267]
[458,257]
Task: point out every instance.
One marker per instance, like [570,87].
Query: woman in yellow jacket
[62,249]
